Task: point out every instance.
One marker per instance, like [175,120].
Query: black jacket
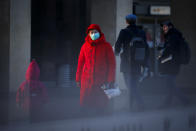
[122,42]
[171,47]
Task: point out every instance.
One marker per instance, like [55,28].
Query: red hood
[94,26]
[98,41]
[33,71]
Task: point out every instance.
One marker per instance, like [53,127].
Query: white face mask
[95,36]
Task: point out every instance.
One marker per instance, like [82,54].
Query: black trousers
[131,81]
[172,91]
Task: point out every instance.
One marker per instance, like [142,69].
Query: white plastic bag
[111,92]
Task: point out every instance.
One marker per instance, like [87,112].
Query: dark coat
[96,66]
[123,41]
[171,47]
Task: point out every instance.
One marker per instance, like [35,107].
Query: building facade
[52,32]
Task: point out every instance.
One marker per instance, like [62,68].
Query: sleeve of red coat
[111,64]
[81,61]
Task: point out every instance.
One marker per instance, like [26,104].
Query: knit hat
[131,17]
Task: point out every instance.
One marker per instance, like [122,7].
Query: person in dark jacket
[131,70]
[169,62]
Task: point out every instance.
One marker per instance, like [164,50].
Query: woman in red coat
[96,66]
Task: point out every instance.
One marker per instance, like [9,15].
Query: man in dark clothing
[169,62]
[131,70]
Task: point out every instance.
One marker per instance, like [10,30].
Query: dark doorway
[58,31]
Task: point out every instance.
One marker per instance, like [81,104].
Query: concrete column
[123,7]
[20,41]
[103,12]
[4,59]
[19,51]
[15,51]
[120,24]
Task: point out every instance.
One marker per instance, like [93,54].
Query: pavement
[62,113]
[174,119]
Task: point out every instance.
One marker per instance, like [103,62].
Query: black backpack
[137,47]
[185,52]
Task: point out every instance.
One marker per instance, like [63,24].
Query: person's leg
[170,83]
[131,81]
[135,90]
[127,79]
[174,91]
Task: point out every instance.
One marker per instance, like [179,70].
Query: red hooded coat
[31,92]
[96,66]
